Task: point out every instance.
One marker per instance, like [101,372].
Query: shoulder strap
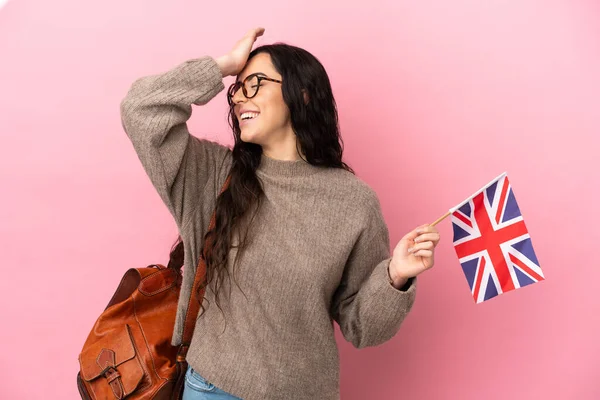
[194,303]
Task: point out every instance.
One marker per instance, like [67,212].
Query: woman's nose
[239,96]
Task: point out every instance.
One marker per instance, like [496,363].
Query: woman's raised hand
[234,61]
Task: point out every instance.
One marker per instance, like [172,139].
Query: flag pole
[468,198]
[440,219]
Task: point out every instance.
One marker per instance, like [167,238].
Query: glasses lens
[251,86]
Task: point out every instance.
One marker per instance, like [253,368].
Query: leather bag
[128,353]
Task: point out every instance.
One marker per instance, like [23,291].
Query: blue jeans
[198,388]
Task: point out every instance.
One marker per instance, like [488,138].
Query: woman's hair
[315,124]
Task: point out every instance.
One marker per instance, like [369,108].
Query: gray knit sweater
[318,251]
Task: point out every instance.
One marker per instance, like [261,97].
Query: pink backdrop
[436,98]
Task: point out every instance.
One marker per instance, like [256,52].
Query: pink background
[435,97]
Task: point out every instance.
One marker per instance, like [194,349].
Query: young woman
[303,239]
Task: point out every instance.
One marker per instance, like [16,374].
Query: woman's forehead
[260,63]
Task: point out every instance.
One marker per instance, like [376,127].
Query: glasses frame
[234,87]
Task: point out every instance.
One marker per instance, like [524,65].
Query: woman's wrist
[397,282]
[224,64]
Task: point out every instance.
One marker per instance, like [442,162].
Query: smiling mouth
[246,120]
[249,114]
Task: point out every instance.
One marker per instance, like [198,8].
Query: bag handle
[193,303]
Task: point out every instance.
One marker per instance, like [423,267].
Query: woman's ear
[306,97]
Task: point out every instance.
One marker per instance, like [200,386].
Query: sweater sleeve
[368,309]
[154,113]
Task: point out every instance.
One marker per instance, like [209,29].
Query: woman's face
[271,117]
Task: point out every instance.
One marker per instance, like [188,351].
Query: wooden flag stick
[440,219]
[468,198]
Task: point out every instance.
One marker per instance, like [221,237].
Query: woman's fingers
[256,32]
[427,232]
[423,253]
[422,238]
[413,234]
[240,52]
[434,237]
[421,246]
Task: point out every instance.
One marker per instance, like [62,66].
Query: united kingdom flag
[492,243]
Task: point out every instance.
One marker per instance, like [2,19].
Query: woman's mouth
[248,117]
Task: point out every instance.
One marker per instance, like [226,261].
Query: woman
[302,237]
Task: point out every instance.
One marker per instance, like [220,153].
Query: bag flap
[111,350]
[158,282]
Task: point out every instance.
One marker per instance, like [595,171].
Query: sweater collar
[272,166]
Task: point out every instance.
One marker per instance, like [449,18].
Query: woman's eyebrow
[254,73]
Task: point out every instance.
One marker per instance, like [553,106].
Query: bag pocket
[111,365]
[195,381]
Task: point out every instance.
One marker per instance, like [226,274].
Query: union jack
[492,243]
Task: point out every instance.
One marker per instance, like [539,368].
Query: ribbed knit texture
[318,251]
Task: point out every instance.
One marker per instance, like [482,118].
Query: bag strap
[194,303]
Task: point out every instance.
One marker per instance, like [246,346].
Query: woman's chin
[248,135]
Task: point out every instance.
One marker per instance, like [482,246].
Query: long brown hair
[316,126]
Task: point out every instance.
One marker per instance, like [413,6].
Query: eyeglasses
[249,86]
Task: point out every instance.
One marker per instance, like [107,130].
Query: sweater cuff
[403,296]
[203,73]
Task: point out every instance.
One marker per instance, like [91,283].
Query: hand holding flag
[413,254]
[490,238]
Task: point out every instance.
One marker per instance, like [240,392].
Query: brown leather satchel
[128,353]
